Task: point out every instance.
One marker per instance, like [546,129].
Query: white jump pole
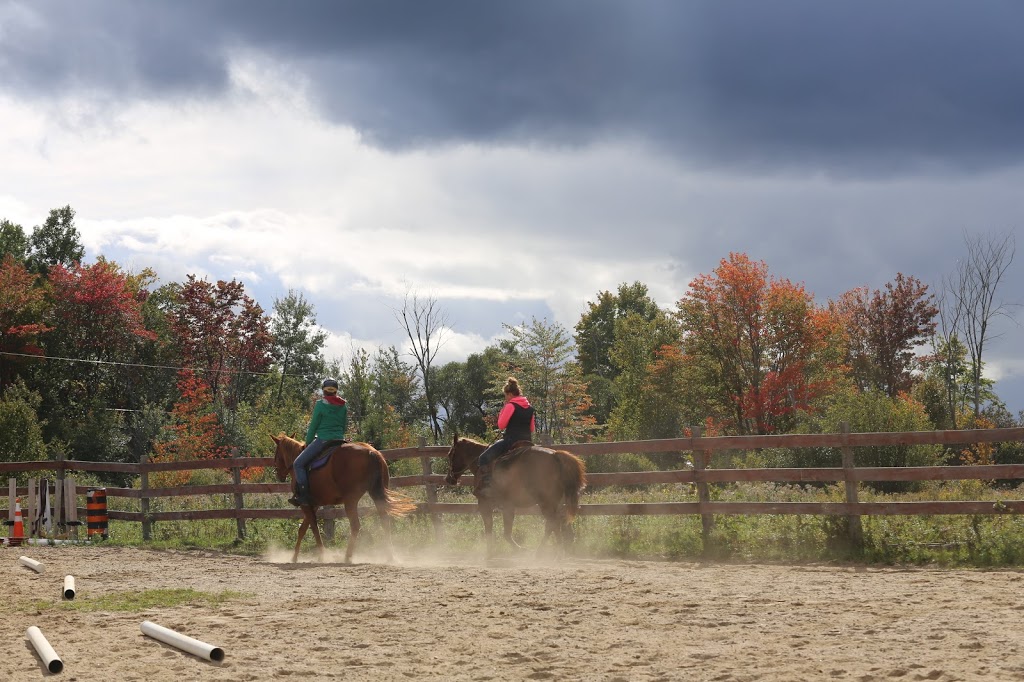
[45,651]
[69,587]
[31,563]
[192,646]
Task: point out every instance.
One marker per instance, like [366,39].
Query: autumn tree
[884,327]
[22,306]
[97,310]
[193,431]
[767,351]
[223,333]
[95,326]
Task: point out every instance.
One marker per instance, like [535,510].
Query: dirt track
[514,619]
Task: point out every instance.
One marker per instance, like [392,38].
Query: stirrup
[301,498]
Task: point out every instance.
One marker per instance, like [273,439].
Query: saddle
[325,454]
[516,448]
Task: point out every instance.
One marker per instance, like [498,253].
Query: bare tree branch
[974,288]
[425,324]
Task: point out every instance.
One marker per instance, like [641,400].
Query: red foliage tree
[21,314]
[223,332]
[97,310]
[765,350]
[884,327]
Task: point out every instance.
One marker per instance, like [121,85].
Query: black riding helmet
[329,383]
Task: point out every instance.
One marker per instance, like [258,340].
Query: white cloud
[257,186]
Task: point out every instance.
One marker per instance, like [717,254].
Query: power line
[142,365]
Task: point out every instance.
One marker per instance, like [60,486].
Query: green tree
[13,241]
[55,242]
[595,338]
[356,386]
[298,344]
[641,348]
[21,433]
[540,356]
[870,412]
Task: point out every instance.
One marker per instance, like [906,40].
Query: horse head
[457,463]
[285,452]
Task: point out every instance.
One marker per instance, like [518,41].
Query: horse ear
[274,438]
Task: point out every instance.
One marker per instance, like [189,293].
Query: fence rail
[700,476]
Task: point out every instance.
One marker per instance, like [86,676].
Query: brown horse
[528,475]
[353,470]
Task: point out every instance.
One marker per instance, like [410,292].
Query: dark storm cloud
[871,86]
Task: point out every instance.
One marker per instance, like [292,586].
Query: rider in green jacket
[329,421]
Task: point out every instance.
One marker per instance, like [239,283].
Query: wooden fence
[701,476]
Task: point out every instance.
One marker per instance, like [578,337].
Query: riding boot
[301,497]
[483,482]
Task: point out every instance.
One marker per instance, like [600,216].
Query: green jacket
[330,419]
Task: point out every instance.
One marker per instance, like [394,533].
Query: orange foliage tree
[193,432]
[763,349]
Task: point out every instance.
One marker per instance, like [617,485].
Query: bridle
[453,474]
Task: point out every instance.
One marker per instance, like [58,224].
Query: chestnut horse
[353,470]
[527,475]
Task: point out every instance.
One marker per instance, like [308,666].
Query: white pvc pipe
[44,542]
[45,651]
[31,563]
[69,587]
[192,646]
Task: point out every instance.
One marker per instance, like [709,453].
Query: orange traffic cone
[18,533]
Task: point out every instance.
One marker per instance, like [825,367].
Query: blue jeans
[495,450]
[303,460]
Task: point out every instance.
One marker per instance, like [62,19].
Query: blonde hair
[512,386]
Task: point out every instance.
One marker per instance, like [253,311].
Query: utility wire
[142,365]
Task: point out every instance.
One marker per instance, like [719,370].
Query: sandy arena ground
[465,618]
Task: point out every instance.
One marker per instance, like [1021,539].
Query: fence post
[236,477]
[147,526]
[59,525]
[856,531]
[32,515]
[707,521]
[12,499]
[431,491]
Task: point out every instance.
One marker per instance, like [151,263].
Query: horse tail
[574,479]
[395,504]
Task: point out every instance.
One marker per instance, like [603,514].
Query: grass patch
[135,601]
